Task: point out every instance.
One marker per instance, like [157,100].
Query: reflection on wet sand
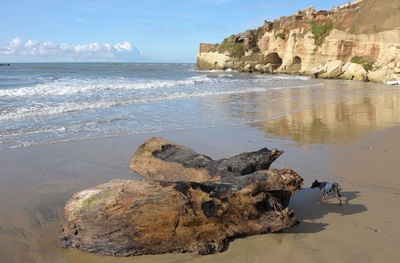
[334,123]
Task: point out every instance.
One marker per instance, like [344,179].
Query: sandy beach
[360,151]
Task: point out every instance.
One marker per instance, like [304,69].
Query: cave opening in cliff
[274,59]
[296,65]
[296,60]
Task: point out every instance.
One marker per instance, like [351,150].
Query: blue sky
[137,31]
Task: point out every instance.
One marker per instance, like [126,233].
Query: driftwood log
[135,217]
[195,204]
[164,160]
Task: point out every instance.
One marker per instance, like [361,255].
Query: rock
[263,68]
[391,65]
[215,60]
[248,68]
[259,67]
[250,40]
[381,76]
[136,217]
[315,72]
[309,10]
[354,71]
[332,69]
[165,160]
[267,68]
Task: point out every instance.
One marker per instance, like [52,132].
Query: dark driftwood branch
[160,159]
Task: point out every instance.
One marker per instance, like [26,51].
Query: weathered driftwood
[135,217]
[164,160]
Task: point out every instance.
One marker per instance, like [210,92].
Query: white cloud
[19,50]
[126,46]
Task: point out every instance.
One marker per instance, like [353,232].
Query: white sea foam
[68,86]
[225,75]
[58,129]
[207,70]
[281,77]
[39,110]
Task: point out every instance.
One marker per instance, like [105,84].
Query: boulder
[263,68]
[267,68]
[381,76]
[314,72]
[354,71]
[332,69]
[248,68]
[259,67]
[160,159]
[136,217]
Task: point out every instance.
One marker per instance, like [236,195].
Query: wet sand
[350,143]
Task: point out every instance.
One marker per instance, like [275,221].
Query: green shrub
[320,31]
[374,28]
[235,49]
[281,35]
[367,64]
[353,31]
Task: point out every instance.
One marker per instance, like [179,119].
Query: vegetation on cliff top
[320,31]
[229,44]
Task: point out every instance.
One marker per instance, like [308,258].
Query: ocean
[43,103]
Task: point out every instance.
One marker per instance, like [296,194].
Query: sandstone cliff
[359,40]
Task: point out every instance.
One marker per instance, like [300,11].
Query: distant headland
[357,41]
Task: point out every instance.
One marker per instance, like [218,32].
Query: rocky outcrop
[354,71]
[135,217]
[319,44]
[200,208]
[160,159]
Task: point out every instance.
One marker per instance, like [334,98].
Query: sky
[130,30]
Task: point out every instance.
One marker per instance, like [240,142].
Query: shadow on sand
[308,206]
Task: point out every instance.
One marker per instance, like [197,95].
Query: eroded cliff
[359,40]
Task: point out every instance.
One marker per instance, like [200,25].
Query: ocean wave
[281,77]
[68,86]
[207,70]
[14,133]
[39,110]
[225,75]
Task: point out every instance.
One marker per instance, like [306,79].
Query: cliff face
[359,40]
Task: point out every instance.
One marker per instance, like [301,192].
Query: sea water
[42,103]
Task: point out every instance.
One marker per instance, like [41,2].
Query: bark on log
[135,217]
[164,160]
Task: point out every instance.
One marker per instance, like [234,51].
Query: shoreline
[375,95]
[251,70]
